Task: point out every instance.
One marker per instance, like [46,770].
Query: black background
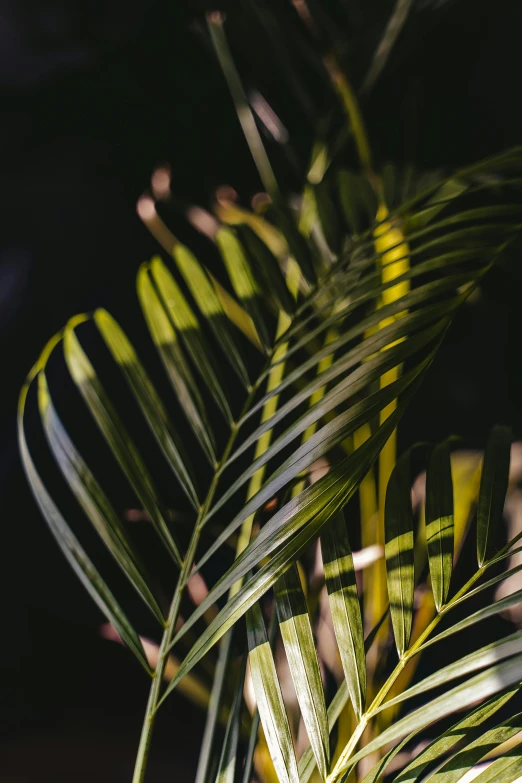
[94,95]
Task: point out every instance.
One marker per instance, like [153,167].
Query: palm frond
[363,293]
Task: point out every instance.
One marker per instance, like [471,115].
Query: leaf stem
[152,703]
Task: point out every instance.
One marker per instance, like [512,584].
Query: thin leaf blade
[269,698]
[399,551]
[440,521]
[493,488]
[345,608]
[298,640]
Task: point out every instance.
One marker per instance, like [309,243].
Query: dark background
[93,96]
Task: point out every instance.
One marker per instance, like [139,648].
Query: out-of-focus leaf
[267,267]
[115,433]
[72,549]
[93,499]
[327,214]
[187,325]
[236,314]
[439,521]
[493,488]
[148,399]
[348,183]
[243,280]
[166,341]
[297,245]
[387,42]
[209,303]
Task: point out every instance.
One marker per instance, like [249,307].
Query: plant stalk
[152,703]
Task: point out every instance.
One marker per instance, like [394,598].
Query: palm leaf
[399,552]
[298,640]
[372,306]
[493,487]
[439,521]
[344,606]
[269,698]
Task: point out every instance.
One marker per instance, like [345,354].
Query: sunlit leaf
[465,730]
[299,644]
[345,608]
[439,521]
[399,551]
[269,698]
[207,299]
[115,434]
[493,487]
[180,375]
[454,769]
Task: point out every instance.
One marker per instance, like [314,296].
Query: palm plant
[292,355]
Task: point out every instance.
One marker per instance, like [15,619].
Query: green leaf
[294,515]
[448,191]
[398,520]
[490,582]
[72,549]
[116,435]
[185,322]
[506,769]
[360,377]
[465,730]
[494,652]
[93,500]
[297,245]
[339,701]
[390,35]
[243,280]
[267,268]
[376,773]
[336,488]
[329,436]
[221,672]
[209,303]
[439,521]
[408,322]
[248,124]
[298,640]
[347,184]
[269,698]
[345,608]
[227,762]
[493,680]
[482,614]
[454,769]
[180,376]
[493,488]
[147,398]
[326,212]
